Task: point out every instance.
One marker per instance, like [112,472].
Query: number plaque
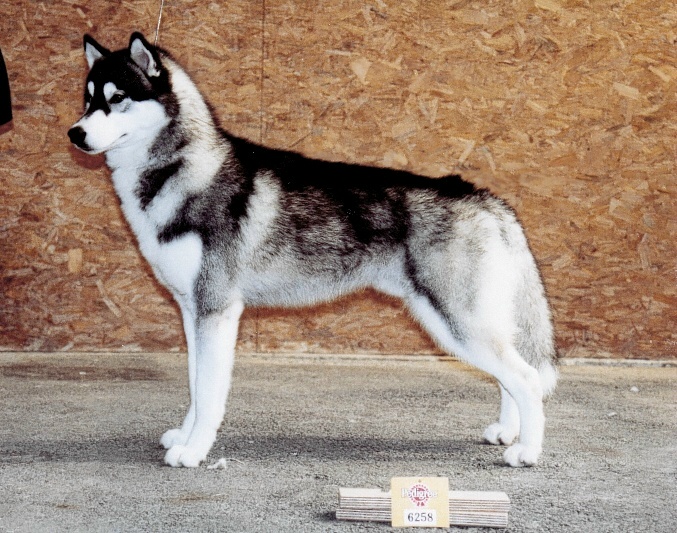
[420,501]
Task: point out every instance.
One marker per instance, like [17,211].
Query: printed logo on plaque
[420,501]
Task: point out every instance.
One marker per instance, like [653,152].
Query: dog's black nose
[77,136]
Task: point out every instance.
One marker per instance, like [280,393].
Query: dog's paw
[497,433]
[180,455]
[173,437]
[520,455]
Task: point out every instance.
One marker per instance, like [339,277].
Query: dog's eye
[117,97]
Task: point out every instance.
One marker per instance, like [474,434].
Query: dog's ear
[93,50]
[144,55]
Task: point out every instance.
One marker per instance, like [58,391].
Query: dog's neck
[194,111]
[206,149]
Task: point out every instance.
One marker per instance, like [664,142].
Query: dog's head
[127,96]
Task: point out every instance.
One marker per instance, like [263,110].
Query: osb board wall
[565,108]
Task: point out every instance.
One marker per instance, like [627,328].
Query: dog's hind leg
[215,338]
[522,383]
[523,398]
[180,435]
[506,430]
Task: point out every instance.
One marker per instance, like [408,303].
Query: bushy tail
[549,374]
[536,342]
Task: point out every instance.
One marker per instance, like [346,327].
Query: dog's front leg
[180,435]
[215,337]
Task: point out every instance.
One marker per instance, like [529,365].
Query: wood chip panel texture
[565,108]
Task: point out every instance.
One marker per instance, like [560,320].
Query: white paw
[180,455]
[521,455]
[497,433]
[173,437]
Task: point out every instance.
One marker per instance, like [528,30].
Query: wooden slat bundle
[466,508]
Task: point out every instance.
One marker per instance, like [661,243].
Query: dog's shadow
[140,449]
[332,448]
[83,160]
[126,449]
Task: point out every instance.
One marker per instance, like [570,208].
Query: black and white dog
[225,223]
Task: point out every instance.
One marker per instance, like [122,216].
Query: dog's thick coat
[225,223]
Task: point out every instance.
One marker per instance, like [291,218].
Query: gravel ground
[79,452]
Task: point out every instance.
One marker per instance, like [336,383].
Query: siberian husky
[226,223]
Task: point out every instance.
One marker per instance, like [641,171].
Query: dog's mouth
[89,151]
[78,136]
[116,142]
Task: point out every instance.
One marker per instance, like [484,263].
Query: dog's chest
[176,263]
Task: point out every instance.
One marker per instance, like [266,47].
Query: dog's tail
[549,374]
[536,340]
